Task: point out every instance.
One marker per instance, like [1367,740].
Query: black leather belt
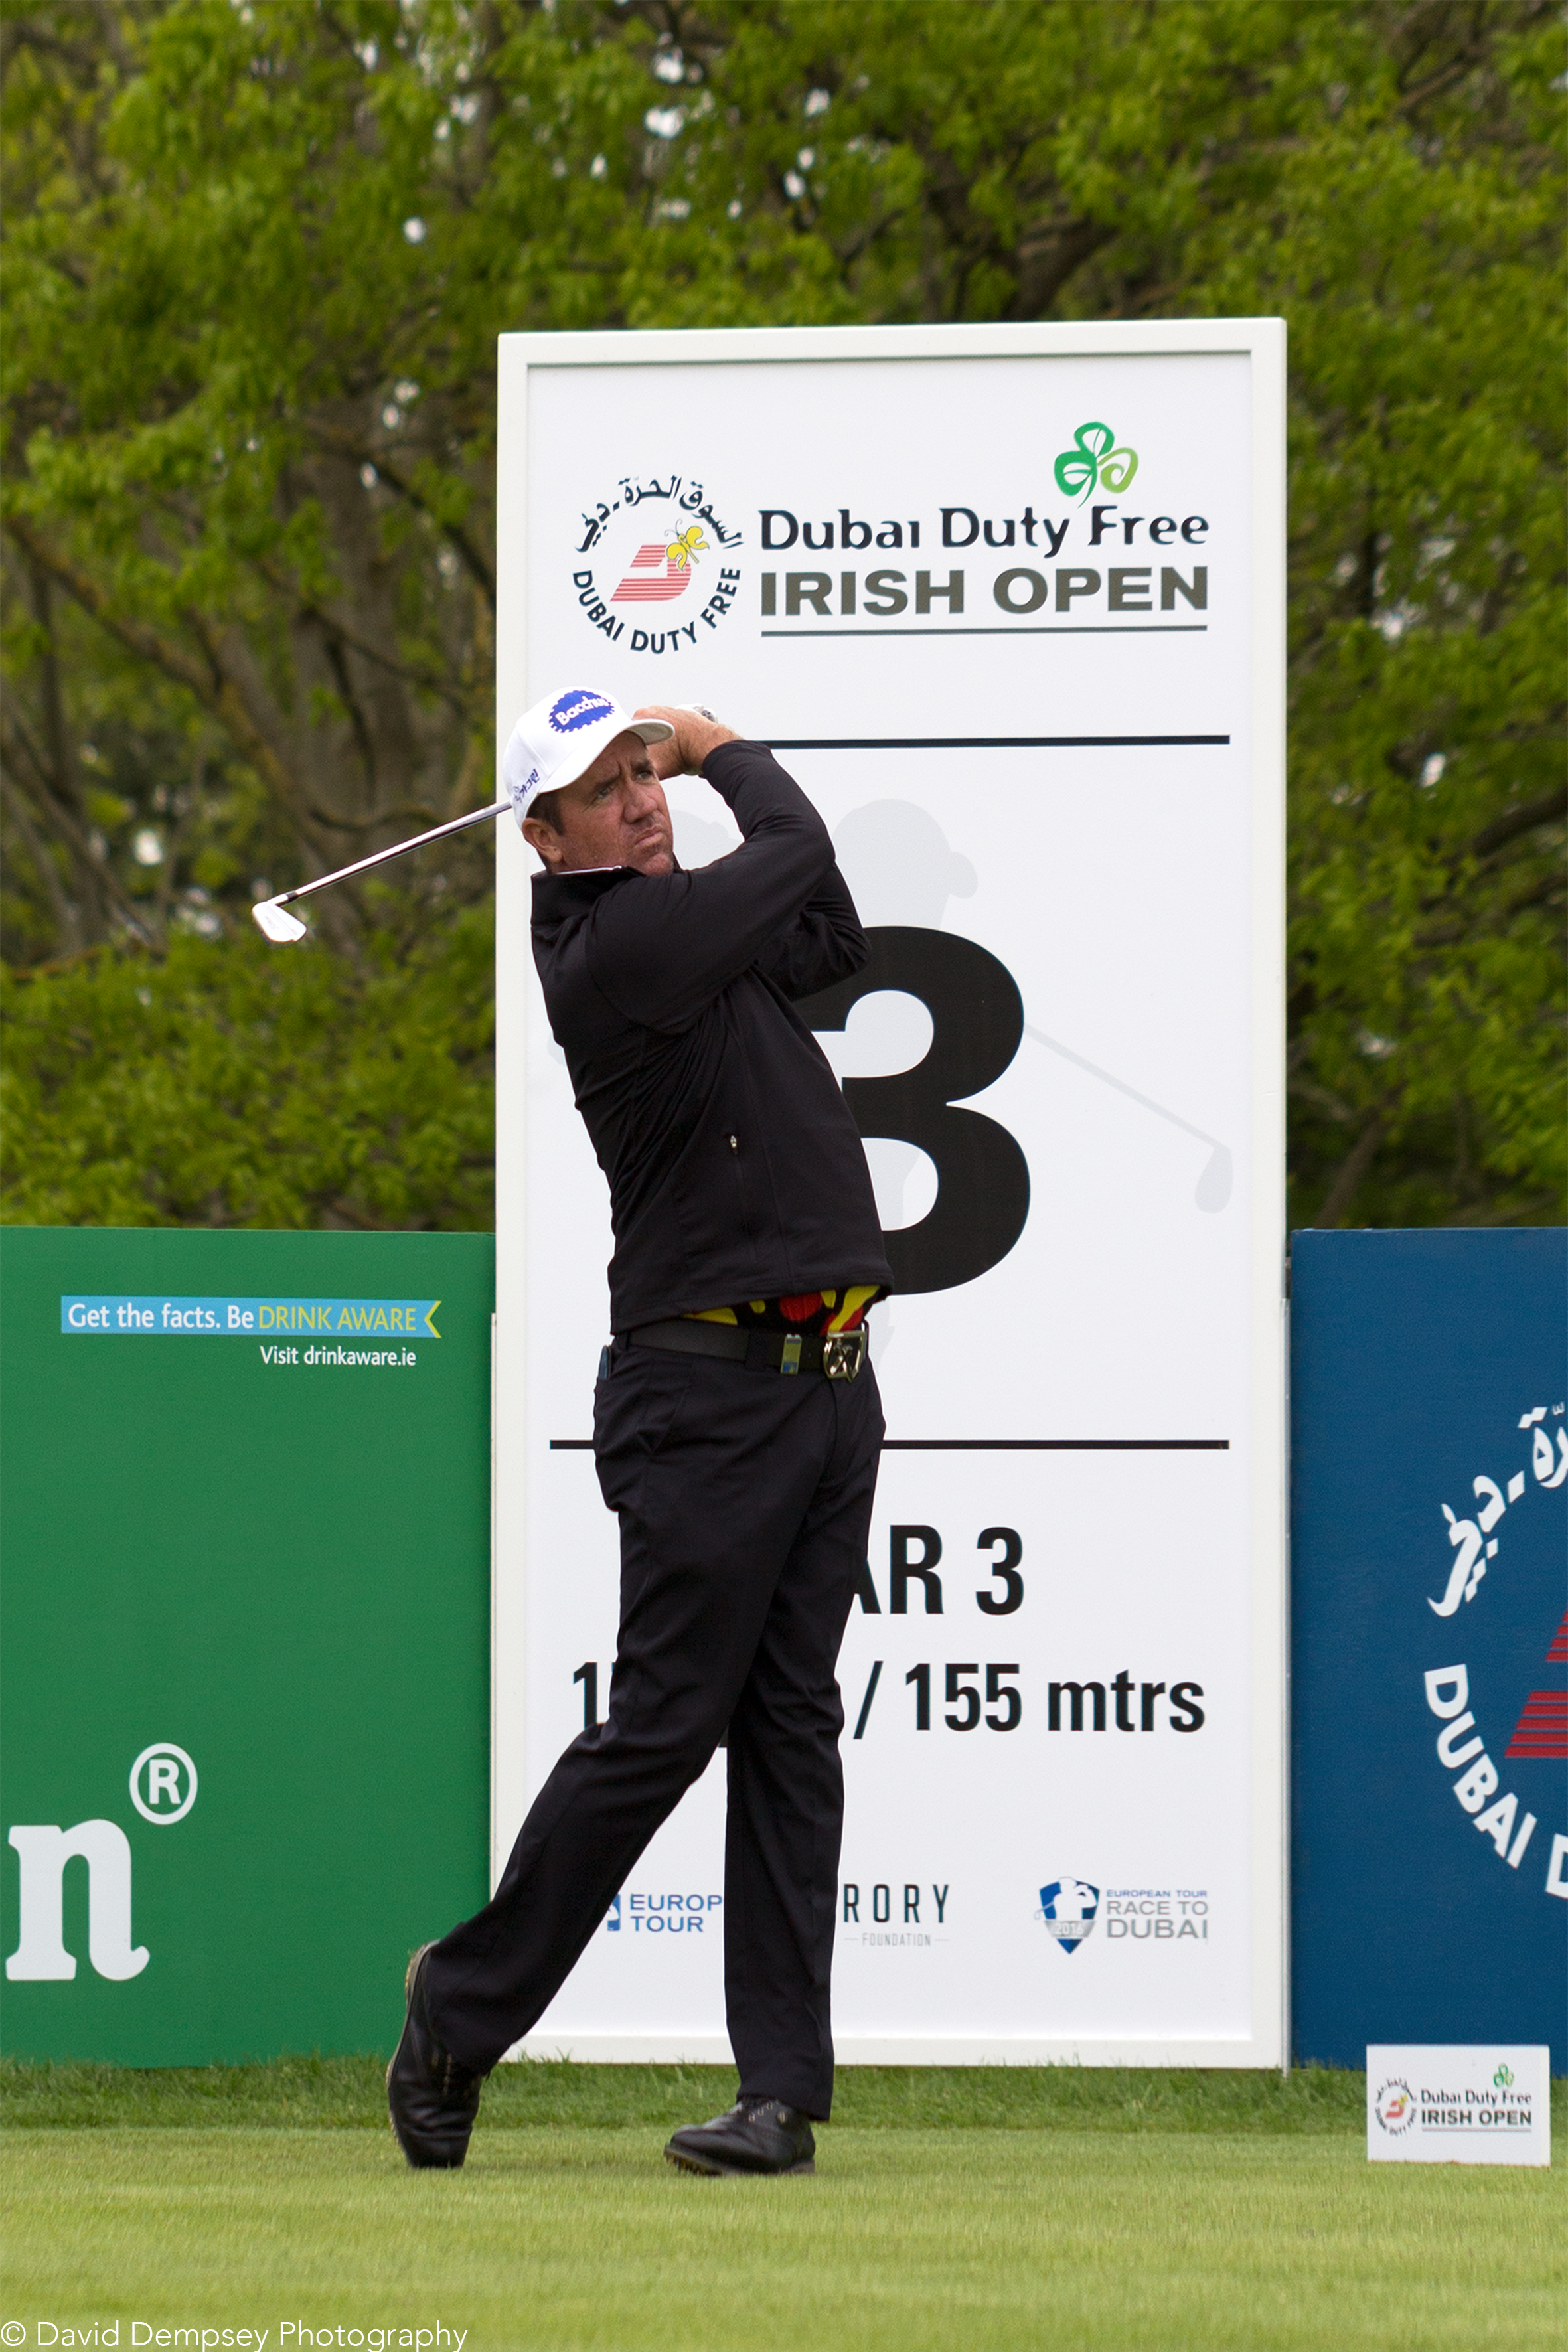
[838,1356]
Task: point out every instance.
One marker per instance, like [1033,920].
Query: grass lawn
[954,2210]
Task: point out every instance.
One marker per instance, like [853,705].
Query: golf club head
[275,922]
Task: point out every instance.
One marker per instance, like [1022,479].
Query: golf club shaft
[398,849]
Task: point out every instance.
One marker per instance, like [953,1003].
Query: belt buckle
[844,1355]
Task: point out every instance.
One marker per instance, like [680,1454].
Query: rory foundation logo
[656,551]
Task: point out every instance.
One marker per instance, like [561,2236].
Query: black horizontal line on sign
[1031,629]
[1002,1445]
[1056,1445]
[982,742]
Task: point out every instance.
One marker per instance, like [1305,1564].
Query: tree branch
[1342,1192]
[77,838]
[67,922]
[1542,810]
[428,681]
[208,684]
[349,445]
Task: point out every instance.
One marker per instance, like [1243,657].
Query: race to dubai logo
[1092,463]
[1069,1908]
[658,551]
[1465,1747]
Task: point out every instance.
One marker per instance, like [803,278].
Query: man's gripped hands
[683,753]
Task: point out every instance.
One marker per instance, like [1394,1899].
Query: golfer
[736,1423]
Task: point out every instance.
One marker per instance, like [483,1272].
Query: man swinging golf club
[736,1423]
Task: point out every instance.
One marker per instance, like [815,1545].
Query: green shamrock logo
[1503,2077]
[1093,461]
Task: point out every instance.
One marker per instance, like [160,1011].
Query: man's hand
[683,753]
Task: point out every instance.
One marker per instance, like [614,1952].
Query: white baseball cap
[560,739]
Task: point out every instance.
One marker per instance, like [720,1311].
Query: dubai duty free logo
[1465,1746]
[1394,2106]
[659,550]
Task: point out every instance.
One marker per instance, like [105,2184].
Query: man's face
[616,814]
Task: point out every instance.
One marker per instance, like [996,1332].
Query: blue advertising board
[1429,1604]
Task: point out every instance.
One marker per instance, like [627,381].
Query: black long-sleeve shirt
[734,1167]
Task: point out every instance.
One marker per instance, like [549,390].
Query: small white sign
[1458,2103]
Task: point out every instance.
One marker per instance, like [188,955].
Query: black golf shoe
[758,2135]
[431,2098]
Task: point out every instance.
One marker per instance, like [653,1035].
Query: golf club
[283,930]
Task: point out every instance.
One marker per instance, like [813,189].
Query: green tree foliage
[257,258]
[220,1084]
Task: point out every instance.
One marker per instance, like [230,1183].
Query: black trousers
[745,1501]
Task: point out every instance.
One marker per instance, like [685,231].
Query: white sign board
[1008,603]
[1458,2103]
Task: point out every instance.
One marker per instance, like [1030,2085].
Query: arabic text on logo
[651,545]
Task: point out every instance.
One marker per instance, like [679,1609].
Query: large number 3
[977,1021]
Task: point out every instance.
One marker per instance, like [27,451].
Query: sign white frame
[1262,343]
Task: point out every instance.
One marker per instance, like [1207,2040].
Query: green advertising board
[243,1633]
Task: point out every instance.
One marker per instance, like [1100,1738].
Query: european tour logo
[662,552]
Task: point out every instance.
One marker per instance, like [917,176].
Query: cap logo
[578,708]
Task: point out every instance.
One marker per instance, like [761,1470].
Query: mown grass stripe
[347,2094]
